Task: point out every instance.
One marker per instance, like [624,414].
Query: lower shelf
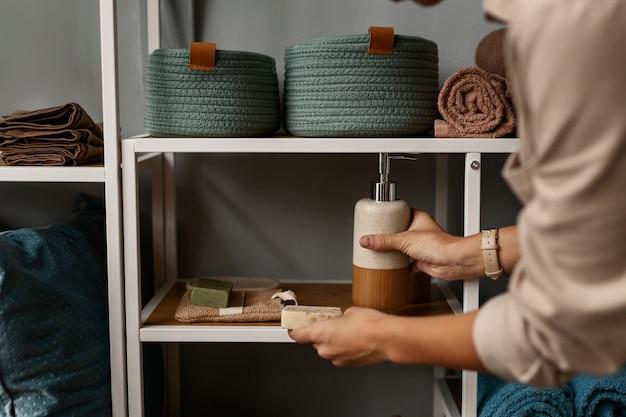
[160,326]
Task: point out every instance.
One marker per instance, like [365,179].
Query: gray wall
[284,216]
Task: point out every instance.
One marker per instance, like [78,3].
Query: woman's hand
[355,339]
[367,337]
[436,253]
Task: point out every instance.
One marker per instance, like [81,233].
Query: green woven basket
[333,87]
[238,97]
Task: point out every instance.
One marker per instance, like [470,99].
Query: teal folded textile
[54,341]
[600,397]
[498,398]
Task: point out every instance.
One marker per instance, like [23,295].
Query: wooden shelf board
[335,295]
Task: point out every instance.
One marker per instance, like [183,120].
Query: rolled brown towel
[474,102]
[61,135]
[490,53]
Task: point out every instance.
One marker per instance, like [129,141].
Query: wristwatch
[489,247]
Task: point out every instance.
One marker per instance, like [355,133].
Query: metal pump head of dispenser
[383,190]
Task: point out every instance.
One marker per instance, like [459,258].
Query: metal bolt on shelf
[475,165]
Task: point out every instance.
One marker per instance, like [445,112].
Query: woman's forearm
[508,255]
[444,341]
[469,252]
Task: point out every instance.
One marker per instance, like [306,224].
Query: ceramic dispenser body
[380,280]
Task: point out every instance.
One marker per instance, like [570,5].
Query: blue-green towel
[54,342]
[600,397]
[498,398]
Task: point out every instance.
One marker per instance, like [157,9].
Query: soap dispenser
[380,280]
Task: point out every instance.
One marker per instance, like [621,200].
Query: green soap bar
[210,292]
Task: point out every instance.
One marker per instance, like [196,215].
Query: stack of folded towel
[61,135]
[475,102]
[584,396]
[600,396]
[498,398]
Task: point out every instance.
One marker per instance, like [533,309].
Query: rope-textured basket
[333,87]
[238,97]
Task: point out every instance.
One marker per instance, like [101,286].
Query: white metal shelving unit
[154,323]
[140,323]
[107,174]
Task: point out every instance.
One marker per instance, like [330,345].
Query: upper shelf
[51,174]
[287,144]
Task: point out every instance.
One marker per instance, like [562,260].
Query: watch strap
[489,247]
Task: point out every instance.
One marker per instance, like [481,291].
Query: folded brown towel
[474,102]
[61,135]
[490,53]
[244,307]
[53,153]
[444,130]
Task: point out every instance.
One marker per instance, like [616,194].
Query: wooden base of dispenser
[419,288]
[382,289]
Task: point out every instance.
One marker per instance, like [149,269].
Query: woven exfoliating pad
[257,307]
[333,87]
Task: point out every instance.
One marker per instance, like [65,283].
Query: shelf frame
[159,154]
[113,205]
[108,174]
[94,174]
[471,218]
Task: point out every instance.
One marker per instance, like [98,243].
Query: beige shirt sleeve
[565,311]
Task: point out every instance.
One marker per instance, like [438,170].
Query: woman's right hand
[436,253]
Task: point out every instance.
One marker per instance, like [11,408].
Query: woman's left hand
[355,339]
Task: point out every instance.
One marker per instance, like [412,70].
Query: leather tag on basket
[381,40]
[202,56]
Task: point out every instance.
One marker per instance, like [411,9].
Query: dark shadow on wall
[37,205]
[177,24]
[283,380]
[201,8]
[254,231]
[500,208]
[286,216]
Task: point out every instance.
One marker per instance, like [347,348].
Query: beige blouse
[565,311]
